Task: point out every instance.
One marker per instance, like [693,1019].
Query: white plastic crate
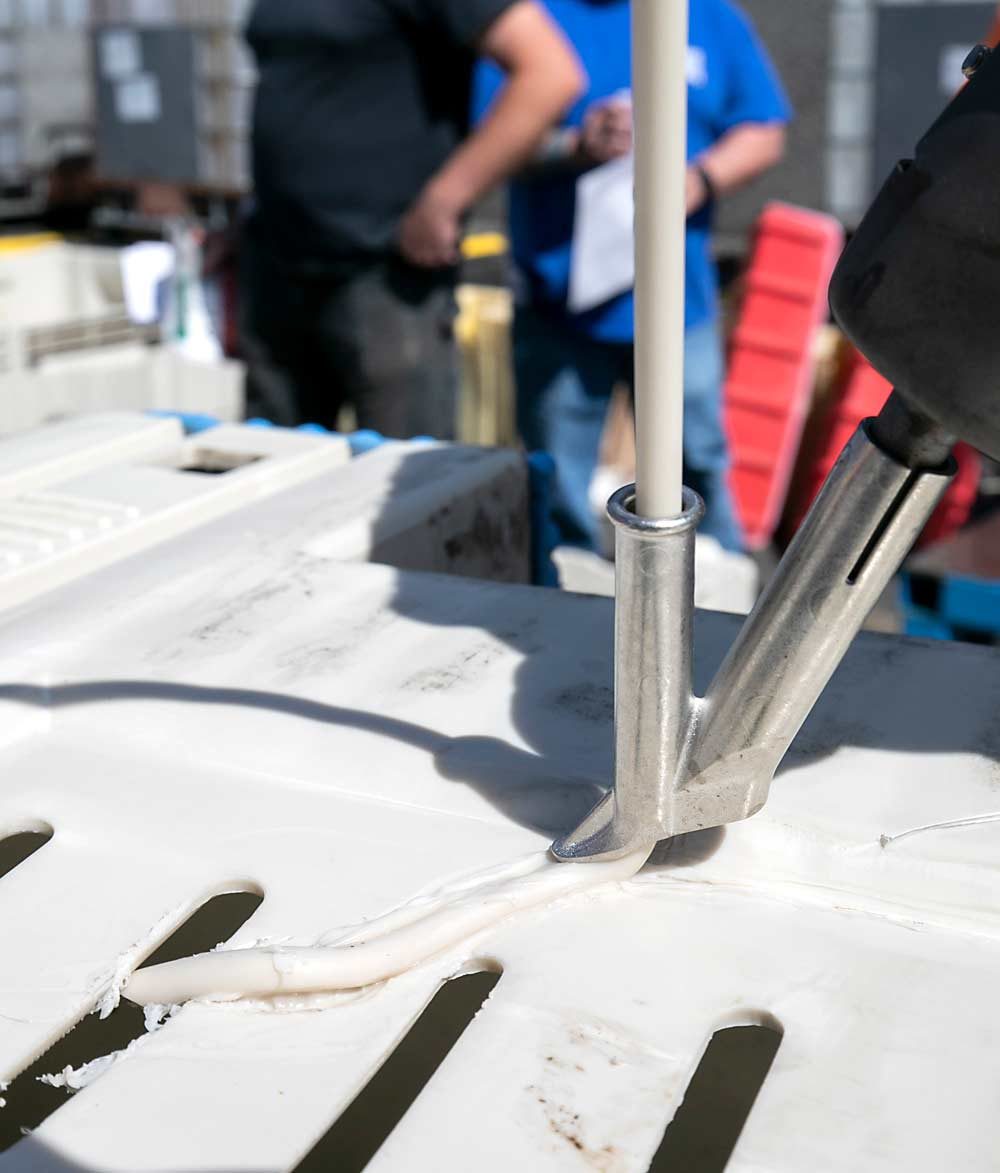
[131,377]
[87,492]
[223,53]
[238,711]
[47,103]
[91,490]
[57,283]
[224,160]
[44,13]
[68,345]
[223,106]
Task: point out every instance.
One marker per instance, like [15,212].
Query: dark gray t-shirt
[359,103]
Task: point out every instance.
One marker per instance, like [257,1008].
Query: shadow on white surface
[523,788]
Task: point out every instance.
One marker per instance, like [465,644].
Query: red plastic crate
[772,358]
[864,395]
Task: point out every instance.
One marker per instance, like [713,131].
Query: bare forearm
[508,139]
[742,155]
[544,78]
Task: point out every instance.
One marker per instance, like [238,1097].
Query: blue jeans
[564,384]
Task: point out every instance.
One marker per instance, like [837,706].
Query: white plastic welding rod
[659,85]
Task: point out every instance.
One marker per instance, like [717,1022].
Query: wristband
[711,194]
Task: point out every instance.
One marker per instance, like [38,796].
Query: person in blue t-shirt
[568,364]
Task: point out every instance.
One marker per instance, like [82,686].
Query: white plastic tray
[239,709]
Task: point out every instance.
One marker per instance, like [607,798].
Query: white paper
[950,75]
[603,264]
[120,54]
[697,67]
[145,268]
[138,98]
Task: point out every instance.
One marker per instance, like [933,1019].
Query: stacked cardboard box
[174,82]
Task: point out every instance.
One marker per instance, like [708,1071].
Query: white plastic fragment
[75,1079]
[155,1017]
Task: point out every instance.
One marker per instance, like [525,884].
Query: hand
[429,232]
[607,131]
[697,193]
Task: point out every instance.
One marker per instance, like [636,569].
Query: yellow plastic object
[486,412]
[27,242]
[484,244]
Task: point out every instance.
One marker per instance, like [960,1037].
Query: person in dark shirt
[363,169]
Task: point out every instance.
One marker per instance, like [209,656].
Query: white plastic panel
[87,492]
[343,736]
[45,456]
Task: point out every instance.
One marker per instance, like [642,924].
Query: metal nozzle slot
[881,529]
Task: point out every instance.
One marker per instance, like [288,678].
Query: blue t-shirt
[730,81]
